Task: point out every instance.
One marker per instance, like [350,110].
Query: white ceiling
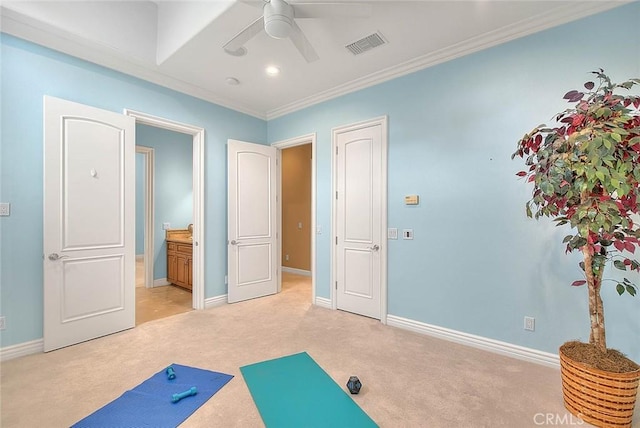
[178,44]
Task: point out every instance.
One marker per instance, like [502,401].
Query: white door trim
[198,194]
[281,145]
[149,218]
[382,122]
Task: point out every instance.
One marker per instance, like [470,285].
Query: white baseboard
[296,271]
[160,282]
[323,302]
[22,349]
[496,346]
[212,302]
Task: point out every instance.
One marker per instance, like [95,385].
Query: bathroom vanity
[180,257]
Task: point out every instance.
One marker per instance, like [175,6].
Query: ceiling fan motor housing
[278,18]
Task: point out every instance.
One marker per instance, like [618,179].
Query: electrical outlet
[286,257]
[166,226]
[392,233]
[226,279]
[5,209]
[2,323]
[529,323]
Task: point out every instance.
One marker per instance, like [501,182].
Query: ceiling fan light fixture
[278,19]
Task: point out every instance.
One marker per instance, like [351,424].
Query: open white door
[89,221]
[252,244]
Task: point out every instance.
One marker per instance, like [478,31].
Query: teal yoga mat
[294,391]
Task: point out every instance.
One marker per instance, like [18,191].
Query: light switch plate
[392,233]
[5,209]
[407,233]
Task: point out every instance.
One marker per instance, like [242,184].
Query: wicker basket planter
[601,398]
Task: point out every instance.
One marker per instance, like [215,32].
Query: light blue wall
[173,185]
[477,264]
[28,73]
[140,185]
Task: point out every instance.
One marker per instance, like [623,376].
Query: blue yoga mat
[149,404]
[294,391]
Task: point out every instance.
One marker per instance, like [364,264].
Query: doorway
[163,201]
[301,147]
[197,213]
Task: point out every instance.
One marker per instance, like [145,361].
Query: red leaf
[531,178]
[521,174]
[577,119]
[589,85]
[629,247]
[627,262]
[578,283]
[619,245]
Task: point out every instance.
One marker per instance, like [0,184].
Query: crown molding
[557,16]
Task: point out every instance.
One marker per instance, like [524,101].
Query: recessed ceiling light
[232,81]
[272,70]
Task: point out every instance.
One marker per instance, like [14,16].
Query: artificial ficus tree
[586,173]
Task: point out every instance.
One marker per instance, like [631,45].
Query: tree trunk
[596,310]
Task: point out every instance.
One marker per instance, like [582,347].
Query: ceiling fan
[278,21]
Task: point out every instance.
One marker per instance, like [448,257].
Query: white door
[89,215]
[252,244]
[360,218]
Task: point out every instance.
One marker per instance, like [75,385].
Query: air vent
[366,43]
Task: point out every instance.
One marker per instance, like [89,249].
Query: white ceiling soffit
[179,22]
[178,44]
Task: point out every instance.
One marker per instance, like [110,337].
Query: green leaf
[546,187]
[631,290]
[616,137]
[620,289]
[529,214]
[619,264]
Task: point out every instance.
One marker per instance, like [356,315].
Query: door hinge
[336,149]
[336,285]
[336,240]
[336,194]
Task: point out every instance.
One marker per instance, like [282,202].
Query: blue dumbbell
[177,397]
[171,374]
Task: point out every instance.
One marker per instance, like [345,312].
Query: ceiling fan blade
[245,35]
[332,10]
[302,44]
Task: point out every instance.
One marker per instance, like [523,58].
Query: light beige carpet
[409,380]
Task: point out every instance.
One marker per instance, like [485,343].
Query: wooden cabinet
[180,264]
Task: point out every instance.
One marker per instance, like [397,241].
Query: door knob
[233,242]
[375,247]
[55,256]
